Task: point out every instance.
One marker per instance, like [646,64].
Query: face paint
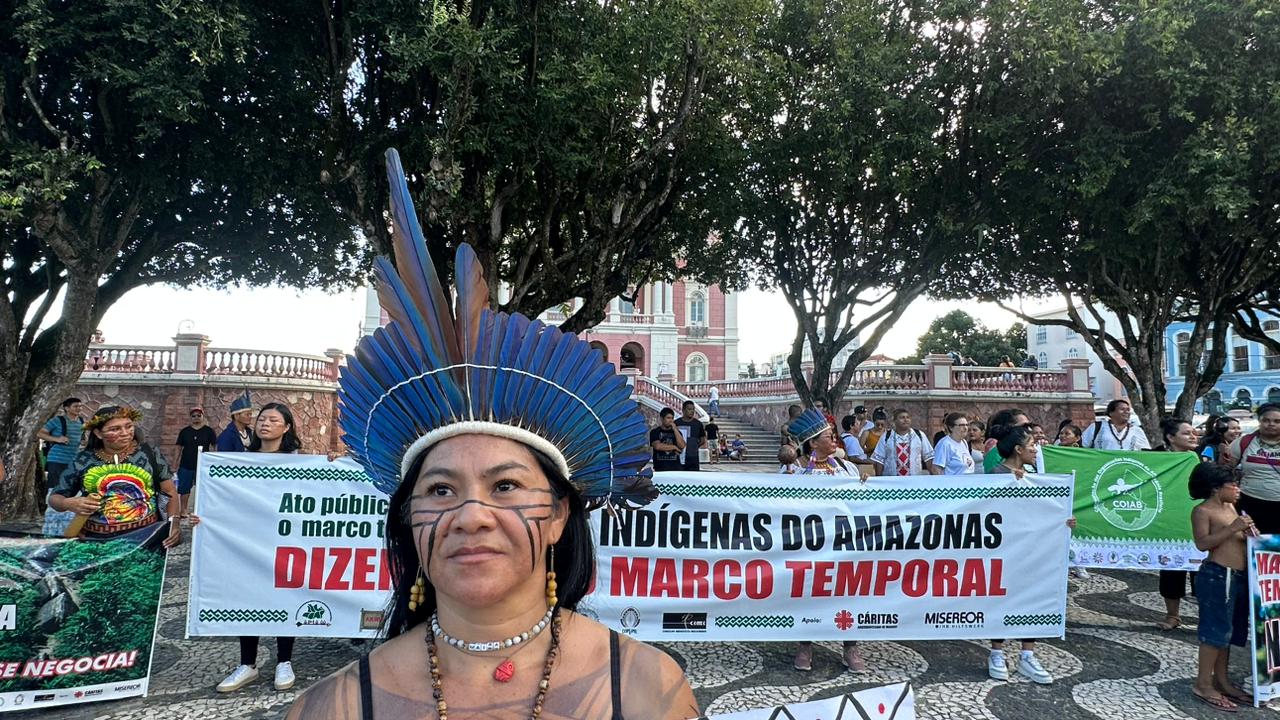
[532,506]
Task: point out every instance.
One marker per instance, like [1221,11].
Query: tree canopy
[959,332]
[859,180]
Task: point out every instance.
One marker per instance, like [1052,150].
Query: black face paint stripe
[520,510]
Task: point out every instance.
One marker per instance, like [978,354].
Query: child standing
[1222,583]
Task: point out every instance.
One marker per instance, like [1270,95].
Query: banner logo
[370,619]
[1127,494]
[844,620]
[313,612]
[630,620]
[684,622]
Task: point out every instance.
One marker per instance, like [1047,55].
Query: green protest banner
[77,618]
[1132,509]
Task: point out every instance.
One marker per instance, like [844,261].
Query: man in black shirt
[695,435]
[192,439]
[713,440]
[667,442]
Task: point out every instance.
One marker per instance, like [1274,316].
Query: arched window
[1244,399]
[1042,334]
[1073,352]
[697,308]
[1273,395]
[695,368]
[1181,341]
[1044,360]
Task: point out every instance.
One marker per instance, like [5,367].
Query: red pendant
[504,672]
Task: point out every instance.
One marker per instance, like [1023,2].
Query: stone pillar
[335,361]
[188,357]
[1077,374]
[938,371]
[669,293]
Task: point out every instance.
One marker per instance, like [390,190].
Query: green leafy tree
[134,150]
[860,180]
[1137,174]
[958,331]
[579,147]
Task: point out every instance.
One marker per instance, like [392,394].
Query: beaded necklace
[437,686]
[829,467]
[109,457]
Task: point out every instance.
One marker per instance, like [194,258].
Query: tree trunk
[37,381]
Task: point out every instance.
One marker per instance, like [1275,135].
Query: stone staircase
[762,446]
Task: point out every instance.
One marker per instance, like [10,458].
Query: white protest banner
[787,557]
[289,545]
[1264,616]
[890,702]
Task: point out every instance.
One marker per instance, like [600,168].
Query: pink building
[681,329]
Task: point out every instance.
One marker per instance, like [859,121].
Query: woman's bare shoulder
[336,697]
[653,684]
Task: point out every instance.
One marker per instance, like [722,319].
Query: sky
[310,322]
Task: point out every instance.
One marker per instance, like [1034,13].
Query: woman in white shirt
[952,456]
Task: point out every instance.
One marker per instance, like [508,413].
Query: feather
[435,364]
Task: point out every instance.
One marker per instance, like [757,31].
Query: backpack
[45,447]
[1245,442]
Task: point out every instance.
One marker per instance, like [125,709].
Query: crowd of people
[1237,482]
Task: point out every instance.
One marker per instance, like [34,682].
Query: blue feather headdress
[436,371]
[808,425]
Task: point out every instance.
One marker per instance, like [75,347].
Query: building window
[1244,398]
[1271,358]
[1273,395]
[698,309]
[1042,334]
[1181,341]
[695,368]
[1071,333]
[1044,360]
[1240,358]
[626,307]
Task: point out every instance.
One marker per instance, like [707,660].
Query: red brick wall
[166,410]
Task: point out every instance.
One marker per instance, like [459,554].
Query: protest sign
[289,545]
[78,618]
[1132,509]
[1264,616]
[891,702]
[734,556]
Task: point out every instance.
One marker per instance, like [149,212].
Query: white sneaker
[284,676]
[997,668]
[238,678]
[1031,668]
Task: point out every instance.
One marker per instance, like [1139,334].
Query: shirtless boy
[1222,583]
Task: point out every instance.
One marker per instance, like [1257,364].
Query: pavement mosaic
[1113,665]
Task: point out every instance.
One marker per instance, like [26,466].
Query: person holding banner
[1222,585]
[819,444]
[273,433]
[1259,463]
[114,484]
[1017,449]
[494,435]
[1179,436]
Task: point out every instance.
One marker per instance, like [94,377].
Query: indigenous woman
[494,435]
[114,483]
[1179,436]
[818,457]
[1017,450]
[273,433]
[952,455]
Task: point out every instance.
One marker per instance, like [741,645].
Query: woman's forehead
[478,455]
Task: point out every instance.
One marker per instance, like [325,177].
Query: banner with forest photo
[77,618]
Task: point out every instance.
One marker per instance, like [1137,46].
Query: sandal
[1171,622]
[1218,703]
[1237,696]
